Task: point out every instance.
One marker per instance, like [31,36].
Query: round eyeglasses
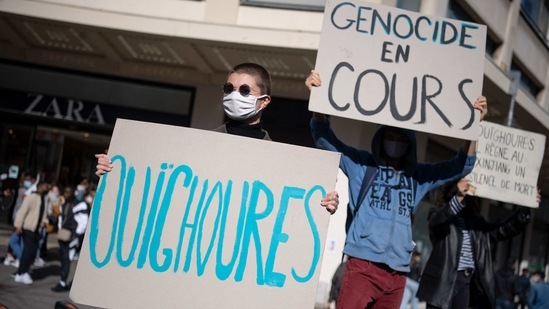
[244,89]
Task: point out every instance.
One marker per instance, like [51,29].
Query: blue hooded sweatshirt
[381,231]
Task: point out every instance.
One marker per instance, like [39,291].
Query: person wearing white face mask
[386,185]
[246,93]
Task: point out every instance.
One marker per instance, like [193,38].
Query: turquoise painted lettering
[201,261]
[125,262]
[137,238]
[188,209]
[251,229]
[151,217]
[222,270]
[273,278]
[96,210]
[161,218]
[316,236]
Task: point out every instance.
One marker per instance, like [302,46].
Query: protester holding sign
[460,266]
[379,241]
[246,94]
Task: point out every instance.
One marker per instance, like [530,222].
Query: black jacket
[438,278]
[67,215]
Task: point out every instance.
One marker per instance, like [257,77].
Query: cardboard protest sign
[508,163]
[391,66]
[199,219]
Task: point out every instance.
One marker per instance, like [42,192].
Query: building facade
[69,68]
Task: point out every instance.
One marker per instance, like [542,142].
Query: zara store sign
[83,111]
[67,109]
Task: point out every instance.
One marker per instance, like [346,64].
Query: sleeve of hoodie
[325,139]
[433,175]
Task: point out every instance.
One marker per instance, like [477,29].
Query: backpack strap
[366,183]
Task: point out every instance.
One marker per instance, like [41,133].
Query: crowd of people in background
[39,209]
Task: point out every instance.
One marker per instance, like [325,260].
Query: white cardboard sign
[508,164]
[391,66]
[199,219]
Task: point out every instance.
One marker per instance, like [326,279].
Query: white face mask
[27,183]
[394,149]
[89,199]
[239,107]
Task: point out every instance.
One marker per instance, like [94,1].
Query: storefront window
[65,156]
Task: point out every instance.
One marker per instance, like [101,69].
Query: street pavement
[37,295]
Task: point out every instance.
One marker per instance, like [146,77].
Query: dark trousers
[460,295]
[30,240]
[64,259]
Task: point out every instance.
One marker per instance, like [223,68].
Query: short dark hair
[539,273]
[263,78]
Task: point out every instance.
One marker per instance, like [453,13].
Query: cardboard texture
[197,219]
[391,66]
[508,164]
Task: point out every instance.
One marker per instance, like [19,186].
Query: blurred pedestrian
[538,298]
[336,283]
[412,283]
[7,201]
[67,247]
[506,286]
[82,188]
[81,216]
[29,222]
[523,288]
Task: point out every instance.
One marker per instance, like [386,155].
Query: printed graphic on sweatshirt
[392,191]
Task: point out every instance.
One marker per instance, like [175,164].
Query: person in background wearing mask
[29,221]
[52,206]
[23,191]
[246,93]
[379,240]
[538,298]
[82,189]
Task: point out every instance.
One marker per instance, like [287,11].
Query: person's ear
[265,102]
